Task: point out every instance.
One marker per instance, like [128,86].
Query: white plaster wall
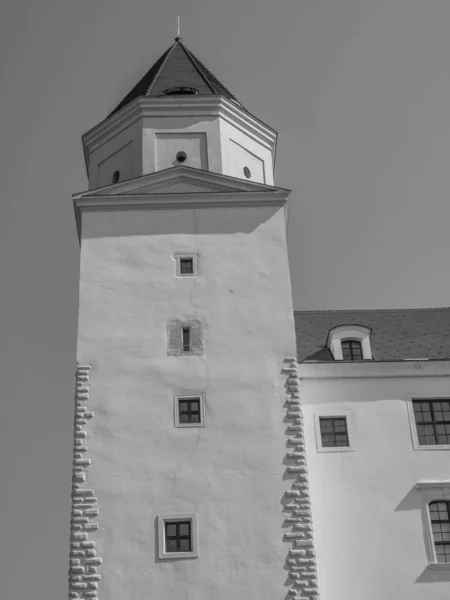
[231,471]
[240,150]
[156,127]
[367,518]
[123,152]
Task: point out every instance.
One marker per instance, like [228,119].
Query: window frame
[179,256]
[175,518]
[351,341]
[432,491]
[413,425]
[189,396]
[332,414]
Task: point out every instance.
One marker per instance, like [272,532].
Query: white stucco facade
[370,531]
[229,473]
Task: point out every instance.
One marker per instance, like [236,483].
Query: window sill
[335,449]
[177,555]
[439,566]
[436,447]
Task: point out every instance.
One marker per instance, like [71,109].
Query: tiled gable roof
[177,67]
[396,334]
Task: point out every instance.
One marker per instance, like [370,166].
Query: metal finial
[178,28]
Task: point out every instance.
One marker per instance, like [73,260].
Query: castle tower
[188,451]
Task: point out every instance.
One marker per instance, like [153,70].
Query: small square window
[186,266]
[189,411]
[333,432]
[177,536]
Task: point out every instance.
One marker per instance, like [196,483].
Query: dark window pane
[184,406]
[171,530]
[326,426]
[185,529]
[184,418]
[195,405]
[185,545]
[327,440]
[171,545]
[341,440]
[195,418]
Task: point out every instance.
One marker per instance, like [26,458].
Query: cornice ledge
[433,485]
[374,369]
[178,200]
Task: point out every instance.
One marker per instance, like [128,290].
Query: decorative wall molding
[84,566]
[301,559]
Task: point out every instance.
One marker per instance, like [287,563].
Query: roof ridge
[169,52]
[194,62]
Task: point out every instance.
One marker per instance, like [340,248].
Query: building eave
[375,369]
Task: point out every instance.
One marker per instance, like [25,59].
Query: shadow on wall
[189,221]
[413,501]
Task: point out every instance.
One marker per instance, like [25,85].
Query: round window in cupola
[181,156]
[116,176]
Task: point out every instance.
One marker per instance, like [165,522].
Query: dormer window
[351,350]
[350,343]
[180,91]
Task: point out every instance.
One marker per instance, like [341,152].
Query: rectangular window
[178,536]
[351,350]
[432,419]
[189,410]
[440,525]
[186,266]
[186,338]
[333,431]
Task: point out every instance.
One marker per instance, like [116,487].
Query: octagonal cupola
[179,113]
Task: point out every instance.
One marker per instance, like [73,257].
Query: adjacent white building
[224,445]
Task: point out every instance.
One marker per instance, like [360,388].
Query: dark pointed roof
[397,334]
[176,68]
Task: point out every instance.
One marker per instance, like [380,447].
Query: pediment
[179,180]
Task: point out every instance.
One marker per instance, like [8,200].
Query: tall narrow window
[351,350]
[432,421]
[178,536]
[186,337]
[333,431]
[440,524]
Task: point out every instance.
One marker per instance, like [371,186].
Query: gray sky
[359,91]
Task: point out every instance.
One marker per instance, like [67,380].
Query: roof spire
[178,29]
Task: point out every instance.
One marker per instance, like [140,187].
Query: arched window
[351,350]
[440,525]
